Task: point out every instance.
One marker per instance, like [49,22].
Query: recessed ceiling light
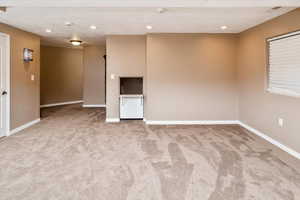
[93,27]
[76,42]
[48,30]
[148,27]
[224,27]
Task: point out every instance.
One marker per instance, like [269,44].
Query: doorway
[4,85]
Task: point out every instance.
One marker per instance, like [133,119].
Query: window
[284,64]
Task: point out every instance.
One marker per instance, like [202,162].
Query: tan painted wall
[126,56]
[94,75]
[191,77]
[61,74]
[25,94]
[257,107]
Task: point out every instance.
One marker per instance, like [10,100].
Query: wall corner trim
[27,125]
[112,120]
[193,122]
[271,140]
[60,104]
[94,105]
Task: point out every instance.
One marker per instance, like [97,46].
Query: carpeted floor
[73,155]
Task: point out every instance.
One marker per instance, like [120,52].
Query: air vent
[2,9]
[276,8]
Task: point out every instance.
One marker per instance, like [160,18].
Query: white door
[131,108]
[4,84]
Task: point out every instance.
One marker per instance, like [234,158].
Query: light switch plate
[280,122]
[32,77]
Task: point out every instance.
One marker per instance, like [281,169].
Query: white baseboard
[60,104]
[271,140]
[224,122]
[197,122]
[112,120]
[94,105]
[27,125]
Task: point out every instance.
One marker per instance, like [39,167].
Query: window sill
[283,92]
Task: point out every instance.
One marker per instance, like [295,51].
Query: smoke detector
[69,23]
[161,10]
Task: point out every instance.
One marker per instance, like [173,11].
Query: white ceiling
[151,3]
[116,17]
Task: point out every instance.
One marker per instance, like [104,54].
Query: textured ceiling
[128,20]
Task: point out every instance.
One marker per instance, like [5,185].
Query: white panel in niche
[131,107]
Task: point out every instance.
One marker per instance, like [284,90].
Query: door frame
[7,65]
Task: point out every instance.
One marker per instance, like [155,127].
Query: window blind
[284,64]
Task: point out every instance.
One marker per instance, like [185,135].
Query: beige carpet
[73,155]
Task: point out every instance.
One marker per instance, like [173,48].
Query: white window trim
[283,36]
[283,92]
[279,91]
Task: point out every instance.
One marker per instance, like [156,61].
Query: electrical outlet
[280,122]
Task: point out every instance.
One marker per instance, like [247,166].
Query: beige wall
[191,77]
[186,74]
[61,74]
[94,75]
[126,56]
[257,107]
[25,94]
